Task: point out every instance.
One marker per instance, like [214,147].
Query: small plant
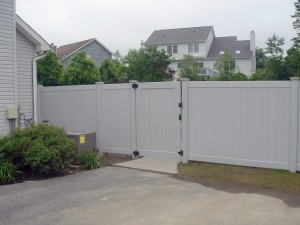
[90,160]
[8,172]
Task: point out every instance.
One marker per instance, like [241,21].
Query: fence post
[133,126]
[184,119]
[294,124]
[38,119]
[98,108]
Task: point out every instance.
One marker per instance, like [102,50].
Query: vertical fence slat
[294,124]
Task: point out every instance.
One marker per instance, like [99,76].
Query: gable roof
[31,35]
[180,35]
[232,45]
[65,51]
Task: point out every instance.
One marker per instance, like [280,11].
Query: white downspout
[34,83]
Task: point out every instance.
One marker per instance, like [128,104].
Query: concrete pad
[161,165]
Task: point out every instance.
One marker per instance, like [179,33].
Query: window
[193,48]
[175,49]
[190,48]
[196,47]
[169,49]
[200,65]
[238,52]
[222,52]
[172,49]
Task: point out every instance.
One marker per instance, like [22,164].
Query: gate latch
[180,104]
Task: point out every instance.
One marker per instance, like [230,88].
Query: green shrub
[46,149]
[8,172]
[90,160]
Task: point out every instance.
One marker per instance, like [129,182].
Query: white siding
[244,66]
[7,91]
[25,54]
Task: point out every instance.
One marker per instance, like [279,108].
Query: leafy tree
[274,64]
[296,24]
[260,58]
[275,45]
[119,63]
[225,66]
[49,70]
[81,70]
[147,64]
[108,72]
[189,69]
[292,62]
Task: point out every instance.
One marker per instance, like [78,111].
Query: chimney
[53,47]
[253,48]
[252,41]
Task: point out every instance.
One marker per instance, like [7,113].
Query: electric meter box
[85,141]
[11,113]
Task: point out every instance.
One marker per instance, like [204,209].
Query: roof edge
[32,35]
[93,39]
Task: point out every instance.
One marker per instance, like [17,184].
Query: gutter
[34,84]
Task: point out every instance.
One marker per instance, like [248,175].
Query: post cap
[294,78]
[133,81]
[185,79]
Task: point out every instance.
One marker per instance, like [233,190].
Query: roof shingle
[181,35]
[65,50]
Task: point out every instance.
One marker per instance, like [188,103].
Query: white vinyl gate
[142,119]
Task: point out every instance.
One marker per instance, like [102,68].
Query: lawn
[280,180]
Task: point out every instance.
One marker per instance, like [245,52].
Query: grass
[279,180]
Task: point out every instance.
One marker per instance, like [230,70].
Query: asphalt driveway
[114,195]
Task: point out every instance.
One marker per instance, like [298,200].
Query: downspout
[34,83]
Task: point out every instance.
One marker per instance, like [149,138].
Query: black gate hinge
[180,117]
[180,152]
[180,104]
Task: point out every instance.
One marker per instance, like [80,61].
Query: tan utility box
[11,113]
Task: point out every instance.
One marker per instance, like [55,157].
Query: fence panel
[115,118]
[242,123]
[158,125]
[71,107]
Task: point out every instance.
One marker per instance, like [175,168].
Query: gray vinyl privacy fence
[241,123]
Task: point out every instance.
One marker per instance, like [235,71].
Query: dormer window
[222,52]
[193,48]
[238,52]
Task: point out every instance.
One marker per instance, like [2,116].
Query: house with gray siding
[94,49]
[205,47]
[19,47]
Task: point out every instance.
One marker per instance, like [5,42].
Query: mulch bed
[107,159]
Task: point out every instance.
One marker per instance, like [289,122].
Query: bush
[8,172]
[46,149]
[90,160]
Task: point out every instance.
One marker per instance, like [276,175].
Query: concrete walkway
[161,165]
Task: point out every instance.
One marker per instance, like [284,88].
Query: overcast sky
[123,24]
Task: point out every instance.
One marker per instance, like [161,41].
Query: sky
[123,24]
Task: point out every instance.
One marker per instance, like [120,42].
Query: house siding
[95,51]
[7,59]
[25,54]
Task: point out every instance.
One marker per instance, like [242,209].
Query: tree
[225,66]
[188,68]
[108,72]
[275,45]
[296,24]
[260,58]
[274,64]
[292,62]
[49,70]
[147,64]
[81,70]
